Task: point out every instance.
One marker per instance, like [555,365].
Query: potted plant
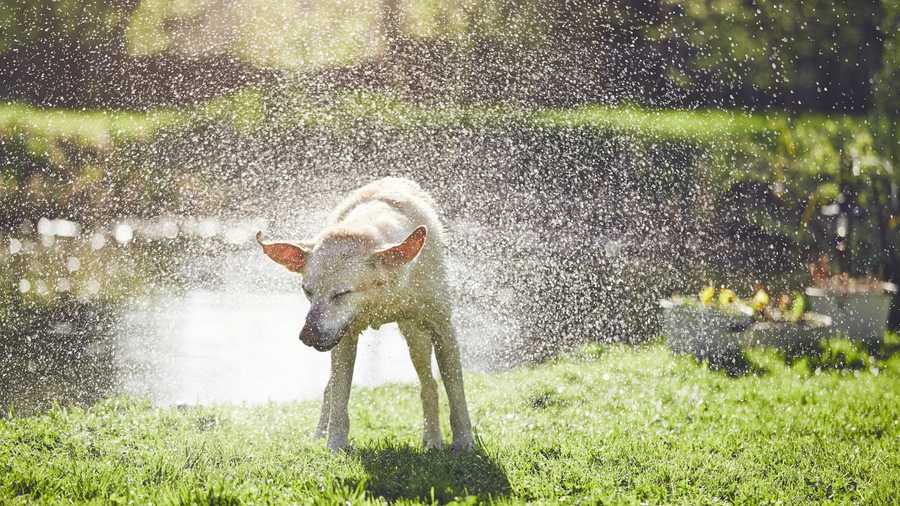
[787,324]
[716,324]
[858,307]
[708,326]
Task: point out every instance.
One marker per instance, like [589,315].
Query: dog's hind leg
[420,345]
[343,358]
[322,427]
[446,351]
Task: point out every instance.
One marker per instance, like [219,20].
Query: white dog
[380,259]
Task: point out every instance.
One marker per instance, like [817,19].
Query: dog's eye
[340,295]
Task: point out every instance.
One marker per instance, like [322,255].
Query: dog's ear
[289,254]
[404,252]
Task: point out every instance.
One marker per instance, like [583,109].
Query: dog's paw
[339,448]
[338,444]
[432,443]
[462,445]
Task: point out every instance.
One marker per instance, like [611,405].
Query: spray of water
[128,245]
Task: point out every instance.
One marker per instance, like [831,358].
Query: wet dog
[380,259]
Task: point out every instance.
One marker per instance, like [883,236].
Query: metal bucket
[861,317]
[794,337]
[705,333]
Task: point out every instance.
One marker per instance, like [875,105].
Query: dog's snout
[312,331]
[313,334]
[309,335]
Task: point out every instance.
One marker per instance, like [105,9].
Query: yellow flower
[760,300]
[707,295]
[727,297]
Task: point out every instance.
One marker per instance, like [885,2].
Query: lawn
[250,108]
[610,424]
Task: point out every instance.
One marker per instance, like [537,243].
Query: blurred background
[589,158]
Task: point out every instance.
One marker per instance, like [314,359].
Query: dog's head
[344,274]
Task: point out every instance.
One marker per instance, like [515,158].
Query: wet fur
[413,294]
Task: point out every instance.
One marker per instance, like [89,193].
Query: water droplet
[40,287]
[92,287]
[73,264]
[63,285]
[44,227]
[123,233]
[98,241]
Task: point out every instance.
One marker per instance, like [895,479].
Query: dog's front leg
[343,358]
[322,427]
[446,351]
[420,345]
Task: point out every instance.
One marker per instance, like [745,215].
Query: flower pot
[706,333]
[793,337]
[861,316]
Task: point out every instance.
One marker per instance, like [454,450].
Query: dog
[380,259]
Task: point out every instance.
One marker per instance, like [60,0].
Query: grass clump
[843,354]
[627,425]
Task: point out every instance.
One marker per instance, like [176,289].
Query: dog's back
[390,208]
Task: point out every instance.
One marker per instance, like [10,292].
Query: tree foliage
[800,54]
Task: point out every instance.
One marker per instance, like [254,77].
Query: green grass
[702,125]
[98,129]
[350,110]
[252,108]
[614,425]
[103,129]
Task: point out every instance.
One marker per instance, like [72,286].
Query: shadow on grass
[829,354]
[887,351]
[837,354]
[733,363]
[401,471]
[888,347]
